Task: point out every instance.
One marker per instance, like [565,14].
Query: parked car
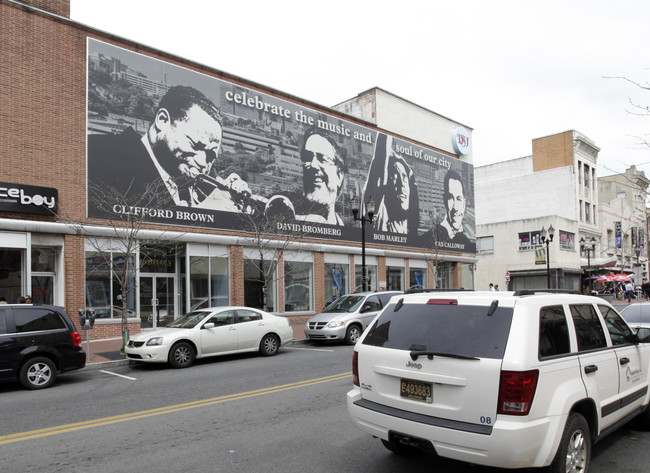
[210,332]
[637,315]
[347,317]
[38,342]
[502,379]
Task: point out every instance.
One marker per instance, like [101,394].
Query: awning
[614,277]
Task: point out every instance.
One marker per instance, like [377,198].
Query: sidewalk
[106,352]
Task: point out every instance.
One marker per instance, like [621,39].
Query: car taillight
[355,368]
[516,392]
[76,339]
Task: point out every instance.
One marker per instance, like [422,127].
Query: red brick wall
[58,7]
[43,132]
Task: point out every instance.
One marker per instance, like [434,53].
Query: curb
[99,365]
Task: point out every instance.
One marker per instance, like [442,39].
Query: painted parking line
[89,424]
[120,375]
[308,349]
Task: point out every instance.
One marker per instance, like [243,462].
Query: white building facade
[516,199]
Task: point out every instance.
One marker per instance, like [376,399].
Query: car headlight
[155,341]
[335,324]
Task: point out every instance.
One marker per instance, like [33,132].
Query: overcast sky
[512,71]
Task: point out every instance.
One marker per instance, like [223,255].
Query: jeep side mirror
[643,334]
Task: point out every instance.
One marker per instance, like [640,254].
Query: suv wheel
[574,453]
[38,373]
[352,334]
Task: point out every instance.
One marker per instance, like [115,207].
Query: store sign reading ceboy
[28,199]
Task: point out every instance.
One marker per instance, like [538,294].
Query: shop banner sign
[219,155]
[28,199]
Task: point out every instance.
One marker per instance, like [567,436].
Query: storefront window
[372,278]
[157,259]
[395,278]
[11,283]
[444,275]
[336,281]
[297,286]
[208,282]
[103,290]
[467,274]
[418,278]
[254,286]
[43,274]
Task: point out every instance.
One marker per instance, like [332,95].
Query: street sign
[507,276]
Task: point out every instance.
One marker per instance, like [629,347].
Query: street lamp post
[586,249]
[547,237]
[358,213]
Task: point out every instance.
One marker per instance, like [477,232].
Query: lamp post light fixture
[588,249]
[358,210]
[547,237]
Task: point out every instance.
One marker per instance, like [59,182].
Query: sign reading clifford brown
[217,152]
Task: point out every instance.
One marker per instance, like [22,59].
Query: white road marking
[308,349]
[120,375]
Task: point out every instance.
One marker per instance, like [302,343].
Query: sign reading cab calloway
[259,154]
[28,199]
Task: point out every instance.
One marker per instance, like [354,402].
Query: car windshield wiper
[430,354]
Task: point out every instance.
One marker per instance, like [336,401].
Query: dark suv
[37,342]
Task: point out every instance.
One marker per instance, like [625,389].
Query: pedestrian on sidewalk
[629,291]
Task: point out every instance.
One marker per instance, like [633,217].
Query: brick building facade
[43,144]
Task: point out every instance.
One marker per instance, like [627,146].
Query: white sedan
[211,332]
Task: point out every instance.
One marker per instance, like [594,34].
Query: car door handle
[624,361]
[591,369]
[232,328]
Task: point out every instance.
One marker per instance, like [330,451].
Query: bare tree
[273,228]
[116,249]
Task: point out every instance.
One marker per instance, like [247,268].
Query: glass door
[156,300]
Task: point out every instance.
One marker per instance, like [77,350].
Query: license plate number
[416,390]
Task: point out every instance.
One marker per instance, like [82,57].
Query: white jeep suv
[503,379]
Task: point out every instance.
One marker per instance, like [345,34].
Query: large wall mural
[218,155]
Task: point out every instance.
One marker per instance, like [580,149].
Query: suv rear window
[35,319]
[458,329]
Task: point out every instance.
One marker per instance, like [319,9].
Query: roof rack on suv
[530,292]
[417,291]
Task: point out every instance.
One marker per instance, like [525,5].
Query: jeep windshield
[460,331]
[345,304]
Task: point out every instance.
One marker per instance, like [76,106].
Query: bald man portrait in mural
[176,153]
[323,172]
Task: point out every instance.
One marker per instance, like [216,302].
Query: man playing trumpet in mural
[180,145]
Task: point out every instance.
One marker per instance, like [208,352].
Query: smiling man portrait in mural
[178,150]
[450,233]
[323,172]
[391,184]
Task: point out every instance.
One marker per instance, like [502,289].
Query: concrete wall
[405,118]
[510,191]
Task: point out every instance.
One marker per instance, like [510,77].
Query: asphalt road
[240,413]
